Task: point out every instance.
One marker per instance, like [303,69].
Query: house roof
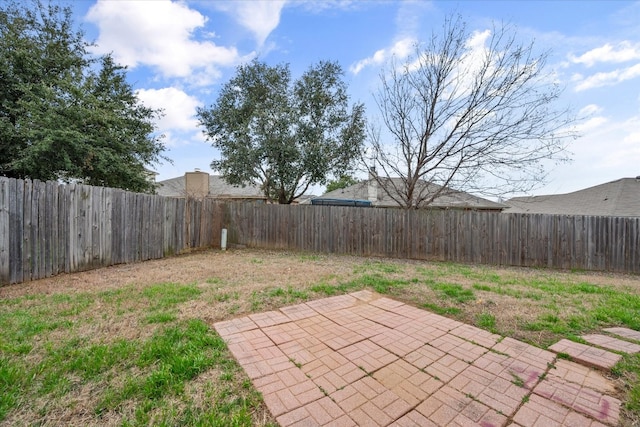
[616,198]
[218,188]
[448,199]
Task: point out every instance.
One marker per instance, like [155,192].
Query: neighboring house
[616,198]
[371,191]
[201,184]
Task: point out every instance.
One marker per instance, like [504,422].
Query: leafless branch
[467,111]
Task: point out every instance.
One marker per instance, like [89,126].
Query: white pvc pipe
[223,239]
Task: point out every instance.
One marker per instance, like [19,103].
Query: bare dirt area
[248,269]
[235,267]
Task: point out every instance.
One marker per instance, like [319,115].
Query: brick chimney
[196,184]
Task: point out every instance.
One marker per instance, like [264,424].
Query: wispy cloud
[606,78]
[623,52]
[400,50]
[589,110]
[259,17]
[159,34]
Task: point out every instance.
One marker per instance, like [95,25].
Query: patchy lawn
[134,344]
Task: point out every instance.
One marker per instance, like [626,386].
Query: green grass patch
[373,267]
[153,373]
[226,296]
[288,294]
[377,282]
[330,289]
[486,321]
[171,357]
[310,258]
[160,317]
[13,382]
[453,291]
[629,369]
[168,295]
[438,309]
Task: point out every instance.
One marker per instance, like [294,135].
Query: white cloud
[608,78]
[613,145]
[623,52]
[593,123]
[316,6]
[589,110]
[158,34]
[478,40]
[179,108]
[400,50]
[259,17]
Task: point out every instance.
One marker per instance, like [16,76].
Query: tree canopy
[468,111]
[343,181]
[281,134]
[64,114]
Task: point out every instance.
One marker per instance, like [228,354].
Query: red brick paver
[407,381]
[321,412]
[368,356]
[611,343]
[540,412]
[366,360]
[627,333]
[581,375]
[586,354]
[590,402]
[451,407]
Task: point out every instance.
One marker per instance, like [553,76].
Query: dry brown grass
[237,282]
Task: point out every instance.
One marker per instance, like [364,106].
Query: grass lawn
[134,344]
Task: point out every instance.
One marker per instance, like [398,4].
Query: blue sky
[179,54]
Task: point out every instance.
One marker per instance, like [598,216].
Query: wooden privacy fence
[556,241]
[47,228]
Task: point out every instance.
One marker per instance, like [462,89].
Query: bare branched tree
[467,111]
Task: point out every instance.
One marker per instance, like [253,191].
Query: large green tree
[64,114]
[281,134]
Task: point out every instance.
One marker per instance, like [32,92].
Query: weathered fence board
[5,274]
[47,228]
[576,242]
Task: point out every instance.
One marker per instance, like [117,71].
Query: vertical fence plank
[39,247]
[27,266]
[64,225]
[5,272]
[107,235]
[16,224]
[52,228]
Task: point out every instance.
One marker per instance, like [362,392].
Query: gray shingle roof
[218,188]
[616,198]
[448,199]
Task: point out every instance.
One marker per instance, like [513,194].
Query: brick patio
[366,360]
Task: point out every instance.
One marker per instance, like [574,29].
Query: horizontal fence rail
[48,228]
[555,241]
